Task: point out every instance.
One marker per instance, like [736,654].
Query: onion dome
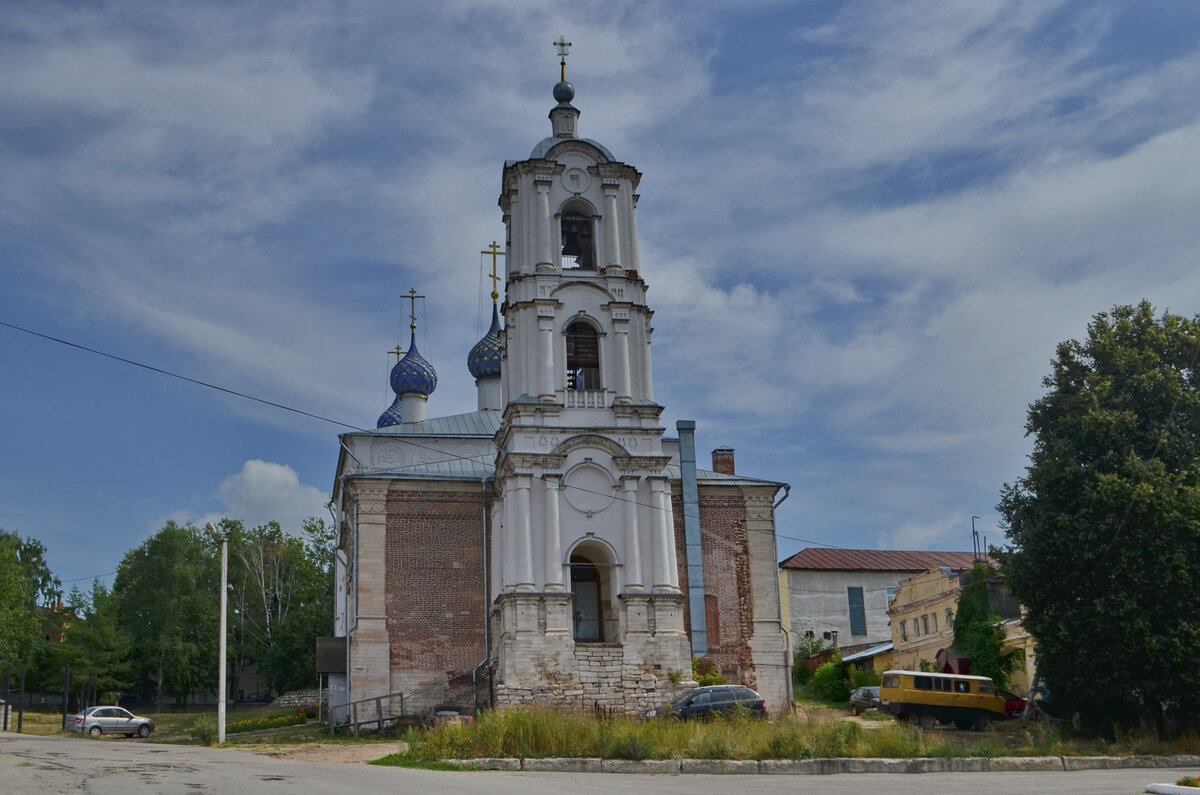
[412,375]
[484,359]
[392,416]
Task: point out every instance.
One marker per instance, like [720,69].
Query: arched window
[583,356]
[578,241]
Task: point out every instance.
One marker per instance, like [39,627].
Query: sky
[865,227]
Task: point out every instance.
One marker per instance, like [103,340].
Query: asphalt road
[52,765]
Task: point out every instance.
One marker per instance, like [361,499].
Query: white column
[612,237]
[545,357]
[524,536]
[665,577]
[621,329]
[647,374]
[506,546]
[635,253]
[633,552]
[545,252]
[554,569]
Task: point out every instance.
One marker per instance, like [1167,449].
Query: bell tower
[585,574]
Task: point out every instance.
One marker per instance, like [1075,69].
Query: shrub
[829,682]
[204,730]
[860,678]
[705,672]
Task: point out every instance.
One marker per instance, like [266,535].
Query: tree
[28,594]
[976,630]
[1104,528]
[19,626]
[167,592]
[96,643]
[282,590]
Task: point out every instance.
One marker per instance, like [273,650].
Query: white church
[555,546]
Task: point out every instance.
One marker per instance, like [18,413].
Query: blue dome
[564,92]
[484,359]
[412,375]
[391,416]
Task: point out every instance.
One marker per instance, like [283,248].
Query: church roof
[413,375]
[721,479]
[475,423]
[484,359]
[546,144]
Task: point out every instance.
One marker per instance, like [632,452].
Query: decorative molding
[591,441]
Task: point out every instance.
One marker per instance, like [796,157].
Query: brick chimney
[723,460]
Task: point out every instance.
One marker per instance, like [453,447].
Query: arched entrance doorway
[592,615]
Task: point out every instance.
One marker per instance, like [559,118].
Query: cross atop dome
[564,48]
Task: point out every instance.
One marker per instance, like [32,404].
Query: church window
[578,242]
[583,356]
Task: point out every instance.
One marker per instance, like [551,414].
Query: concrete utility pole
[221,642]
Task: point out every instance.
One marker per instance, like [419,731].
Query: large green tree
[1104,528]
[96,644]
[282,599]
[29,593]
[167,593]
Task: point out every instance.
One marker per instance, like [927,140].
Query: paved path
[53,765]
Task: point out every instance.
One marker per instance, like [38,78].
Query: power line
[196,381]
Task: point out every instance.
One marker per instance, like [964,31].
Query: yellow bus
[969,702]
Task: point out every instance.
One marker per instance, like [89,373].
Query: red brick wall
[435,598]
[726,579]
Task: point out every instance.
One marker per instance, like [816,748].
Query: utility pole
[221,642]
[975,538]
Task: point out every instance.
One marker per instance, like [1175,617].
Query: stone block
[640,766]
[1093,762]
[495,763]
[563,765]
[789,767]
[1026,764]
[718,766]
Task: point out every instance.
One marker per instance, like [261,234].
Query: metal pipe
[691,532]
[787,636]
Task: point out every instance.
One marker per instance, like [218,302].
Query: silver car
[110,720]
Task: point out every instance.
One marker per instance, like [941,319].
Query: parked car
[712,700]
[446,714]
[1014,705]
[110,720]
[863,699]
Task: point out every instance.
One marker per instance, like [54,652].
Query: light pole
[221,642]
[975,537]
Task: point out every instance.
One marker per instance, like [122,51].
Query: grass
[812,733]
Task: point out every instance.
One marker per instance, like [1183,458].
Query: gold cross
[494,251]
[412,296]
[564,47]
[398,351]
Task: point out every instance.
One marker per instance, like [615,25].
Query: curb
[971,764]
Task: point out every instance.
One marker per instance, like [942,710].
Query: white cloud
[263,492]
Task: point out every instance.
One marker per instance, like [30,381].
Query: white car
[110,720]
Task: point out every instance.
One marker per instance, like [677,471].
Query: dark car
[110,720]
[863,699]
[713,700]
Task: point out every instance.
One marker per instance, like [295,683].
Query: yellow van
[970,702]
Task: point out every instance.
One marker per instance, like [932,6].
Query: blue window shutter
[858,612]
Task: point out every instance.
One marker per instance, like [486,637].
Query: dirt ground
[343,753]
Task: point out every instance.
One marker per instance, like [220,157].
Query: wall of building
[818,602]
[929,599]
[435,591]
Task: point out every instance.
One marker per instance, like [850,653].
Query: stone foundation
[539,662]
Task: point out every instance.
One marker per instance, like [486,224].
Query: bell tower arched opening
[583,356]
[577,228]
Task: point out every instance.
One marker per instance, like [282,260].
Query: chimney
[723,460]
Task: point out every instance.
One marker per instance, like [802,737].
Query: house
[923,614]
[554,546]
[842,595]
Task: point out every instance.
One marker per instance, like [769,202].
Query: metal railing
[355,722]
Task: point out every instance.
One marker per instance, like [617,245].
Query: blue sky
[865,227]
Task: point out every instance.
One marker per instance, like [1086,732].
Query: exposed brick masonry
[435,600]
